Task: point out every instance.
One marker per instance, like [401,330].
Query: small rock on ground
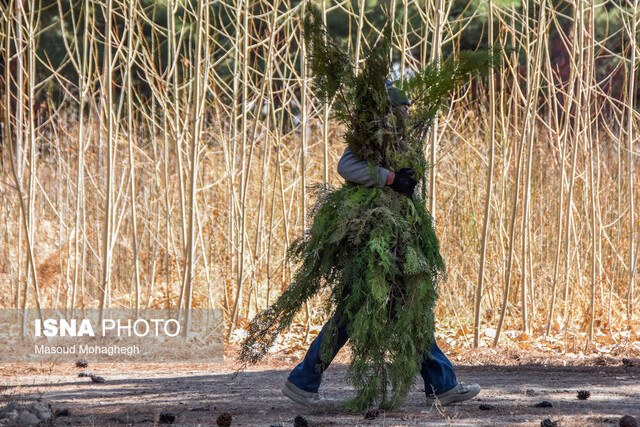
[29,414]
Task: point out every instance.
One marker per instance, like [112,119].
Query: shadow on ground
[132,396]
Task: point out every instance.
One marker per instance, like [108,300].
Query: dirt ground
[198,394]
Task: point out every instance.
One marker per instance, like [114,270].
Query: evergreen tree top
[364,102]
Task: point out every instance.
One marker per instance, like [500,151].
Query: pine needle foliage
[377,252]
[373,249]
[376,131]
[431,87]
[331,65]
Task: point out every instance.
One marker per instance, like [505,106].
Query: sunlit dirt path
[198,394]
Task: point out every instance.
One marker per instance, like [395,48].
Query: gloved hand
[403,182]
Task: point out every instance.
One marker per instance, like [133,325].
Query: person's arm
[353,169]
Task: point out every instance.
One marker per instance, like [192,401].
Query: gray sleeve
[351,168]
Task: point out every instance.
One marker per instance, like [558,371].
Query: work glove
[403,182]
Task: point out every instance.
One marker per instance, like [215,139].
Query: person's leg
[437,372]
[440,383]
[308,374]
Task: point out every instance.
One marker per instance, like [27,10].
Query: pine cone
[584,394]
[96,379]
[628,421]
[62,412]
[167,418]
[371,414]
[544,404]
[300,421]
[486,407]
[224,419]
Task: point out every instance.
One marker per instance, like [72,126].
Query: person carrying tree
[372,251]
[436,370]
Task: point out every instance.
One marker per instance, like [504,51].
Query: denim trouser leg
[436,369]
[437,372]
[308,374]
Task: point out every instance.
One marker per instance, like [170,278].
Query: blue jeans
[436,370]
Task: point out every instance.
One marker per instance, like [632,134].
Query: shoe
[306,398]
[459,393]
